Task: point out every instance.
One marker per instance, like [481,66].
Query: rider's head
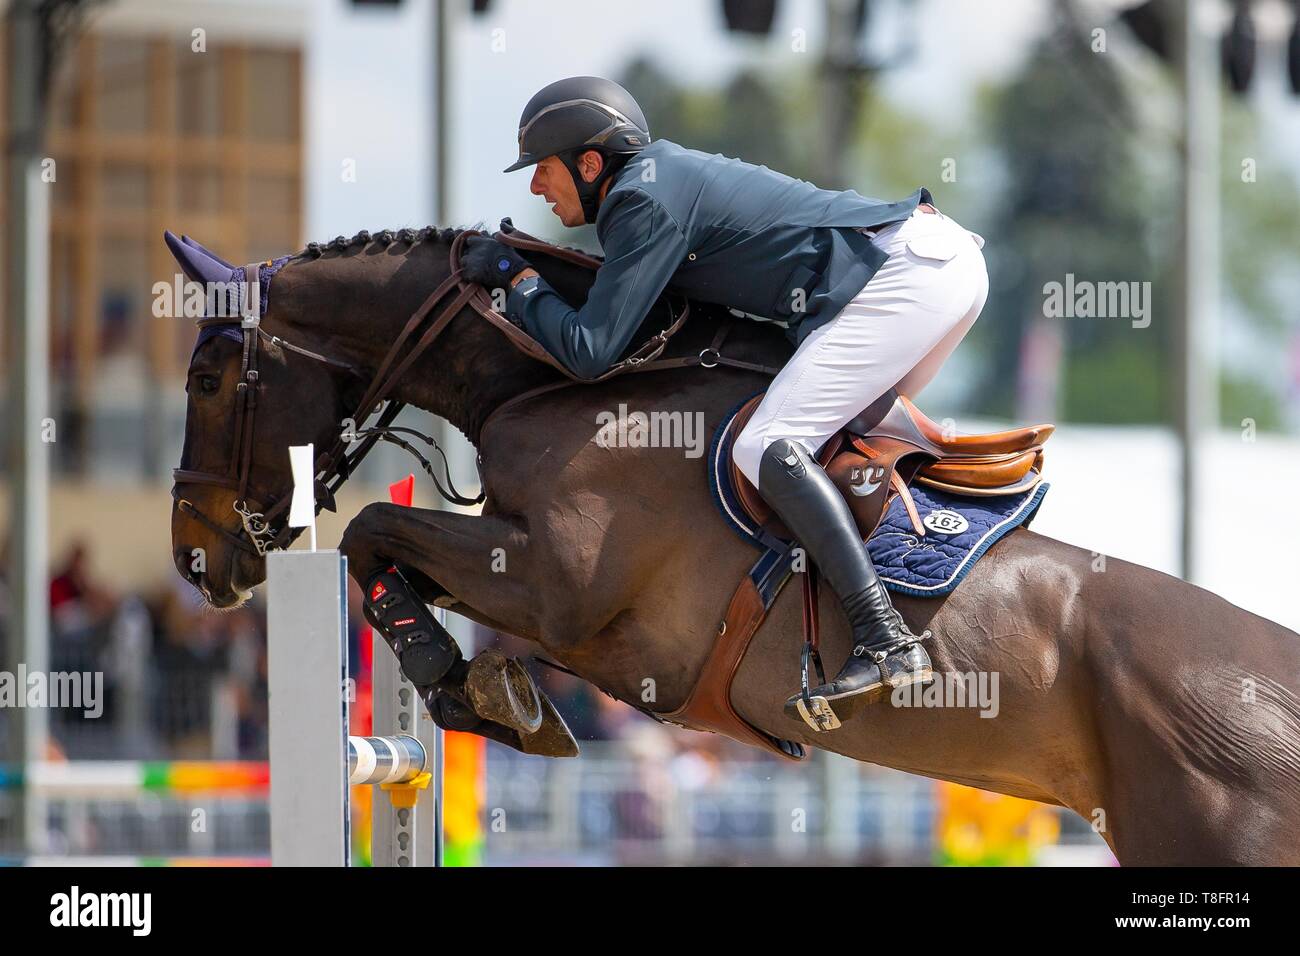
[579,132]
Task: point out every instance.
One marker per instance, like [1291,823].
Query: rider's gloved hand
[490,263]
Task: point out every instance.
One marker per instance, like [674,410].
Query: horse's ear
[193,244]
[196,263]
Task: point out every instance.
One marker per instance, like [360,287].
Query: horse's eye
[209,384]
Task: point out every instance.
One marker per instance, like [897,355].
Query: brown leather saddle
[891,444]
[872,460]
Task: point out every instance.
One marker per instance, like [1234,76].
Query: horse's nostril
[185,564]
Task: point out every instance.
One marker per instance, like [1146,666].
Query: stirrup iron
[816,711]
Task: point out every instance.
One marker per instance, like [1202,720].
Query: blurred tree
[1075,203]
[1260,323]
[1091,190]
[742,119]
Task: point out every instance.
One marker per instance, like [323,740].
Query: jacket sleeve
[643,248]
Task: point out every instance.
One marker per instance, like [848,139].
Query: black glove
[490,263]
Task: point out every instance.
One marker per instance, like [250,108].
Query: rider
[875,295]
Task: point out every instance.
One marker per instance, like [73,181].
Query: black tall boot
[886,655]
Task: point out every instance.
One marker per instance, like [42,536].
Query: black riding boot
[886,654]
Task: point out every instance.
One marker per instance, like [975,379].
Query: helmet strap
[589,192]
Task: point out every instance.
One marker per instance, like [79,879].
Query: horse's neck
[469,372]
[357,310]
[472,369]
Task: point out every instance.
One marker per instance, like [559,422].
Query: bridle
[256,526]
[261,531]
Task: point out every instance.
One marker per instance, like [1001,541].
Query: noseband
[258,532]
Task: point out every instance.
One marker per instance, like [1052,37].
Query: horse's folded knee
[362,548]
[374,517]
[352,544]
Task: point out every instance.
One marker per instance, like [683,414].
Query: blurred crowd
[180,681]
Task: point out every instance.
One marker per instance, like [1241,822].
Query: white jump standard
[313,760]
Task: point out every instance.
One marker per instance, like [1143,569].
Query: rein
[334,467]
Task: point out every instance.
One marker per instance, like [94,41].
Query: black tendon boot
[886,655]
[426,652]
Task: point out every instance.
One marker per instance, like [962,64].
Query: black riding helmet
[571,116]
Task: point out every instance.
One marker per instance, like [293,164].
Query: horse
[1161,714]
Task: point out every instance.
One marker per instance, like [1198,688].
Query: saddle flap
[869,480]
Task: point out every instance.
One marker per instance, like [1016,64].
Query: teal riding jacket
[714,229]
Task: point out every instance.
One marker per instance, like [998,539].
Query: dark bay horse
[1160,713]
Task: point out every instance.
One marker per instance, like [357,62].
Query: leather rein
[258,532]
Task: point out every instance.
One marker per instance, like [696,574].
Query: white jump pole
[313,760]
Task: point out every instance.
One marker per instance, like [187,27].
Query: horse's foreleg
[480,562]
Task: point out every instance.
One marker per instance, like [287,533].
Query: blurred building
[152,127]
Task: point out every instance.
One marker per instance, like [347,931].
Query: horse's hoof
[553,739]
[500,690]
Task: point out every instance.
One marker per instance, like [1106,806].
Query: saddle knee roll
[424,648]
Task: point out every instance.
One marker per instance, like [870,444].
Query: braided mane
[388,237]
[384,238]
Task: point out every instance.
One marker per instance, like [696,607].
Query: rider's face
[551,179]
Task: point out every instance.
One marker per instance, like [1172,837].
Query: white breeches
[896,332]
